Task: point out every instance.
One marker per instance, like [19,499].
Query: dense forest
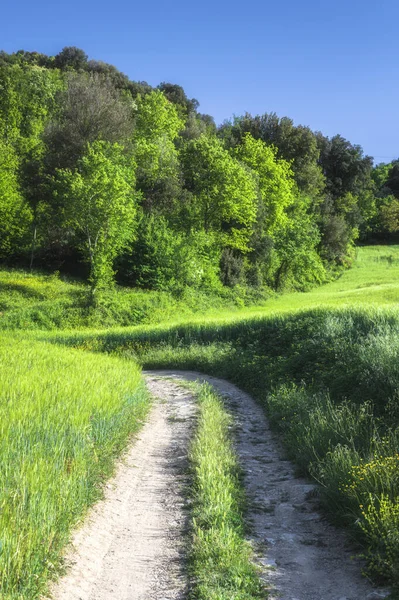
[117,180]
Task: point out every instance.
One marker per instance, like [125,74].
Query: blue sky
[332,65]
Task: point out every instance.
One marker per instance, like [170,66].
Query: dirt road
[132,546]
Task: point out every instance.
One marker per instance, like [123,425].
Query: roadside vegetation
[65,416]
[39,301]
[221,561]
[329,381]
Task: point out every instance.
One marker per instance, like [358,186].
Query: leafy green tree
[344,166]
[297,263]
[90,109]
[176,94]
[157,127]
[28,99]
[100,205]
[275,180]
[294,143]
[71,57]
[380,175]
[224,192]
[165,259]
[392,182]
[389,214]
[15,214]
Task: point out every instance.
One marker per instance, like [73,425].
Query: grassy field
[329,381]
[325,365]
[47,302]
[372,280]
[40,302]
[65,415]
[326,368]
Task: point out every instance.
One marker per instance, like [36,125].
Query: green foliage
[392,182]
[99,201]
[297,264]
[295,144]
[164,259]
[221,564]
[28,97]
[274,178]
[224,192]
[47,302]
[15,214]
[157,125]
[387,219]
[90,109]
[259,187]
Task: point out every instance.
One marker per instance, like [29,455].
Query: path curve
[131,546]
[303,557]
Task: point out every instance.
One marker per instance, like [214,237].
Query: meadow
[324,364]
[65,415]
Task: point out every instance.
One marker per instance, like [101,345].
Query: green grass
[221,562]
[65,415]
[373,280]
[324,364]
[328,379]
[48,302]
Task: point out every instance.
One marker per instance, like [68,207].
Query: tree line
[134,182]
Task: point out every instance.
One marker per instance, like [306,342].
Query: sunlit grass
[66,413]
[43,302]
[64,417]
[221,559]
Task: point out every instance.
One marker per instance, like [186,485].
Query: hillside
[49,302]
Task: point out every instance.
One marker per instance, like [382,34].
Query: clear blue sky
[332,65]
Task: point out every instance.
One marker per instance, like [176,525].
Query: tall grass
[329,380]
[221,559]
[64,417]
[48,302]
[328,377]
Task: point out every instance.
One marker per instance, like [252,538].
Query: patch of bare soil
[303,557]
[131,547]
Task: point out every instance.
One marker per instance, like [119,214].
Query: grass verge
[65,415]
[329,381]
[221,559]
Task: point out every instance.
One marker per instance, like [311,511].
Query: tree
[274,177]
[344,166]
[224,191]
[294,143]
[157,127]
[100,205]
[15,214]
[392,182]
[176,94]
[27,100]
[297,263]
[71,57]
[91,109]
[165,259]
[380,175]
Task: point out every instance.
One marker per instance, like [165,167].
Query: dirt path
[305,558]
[131,546]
